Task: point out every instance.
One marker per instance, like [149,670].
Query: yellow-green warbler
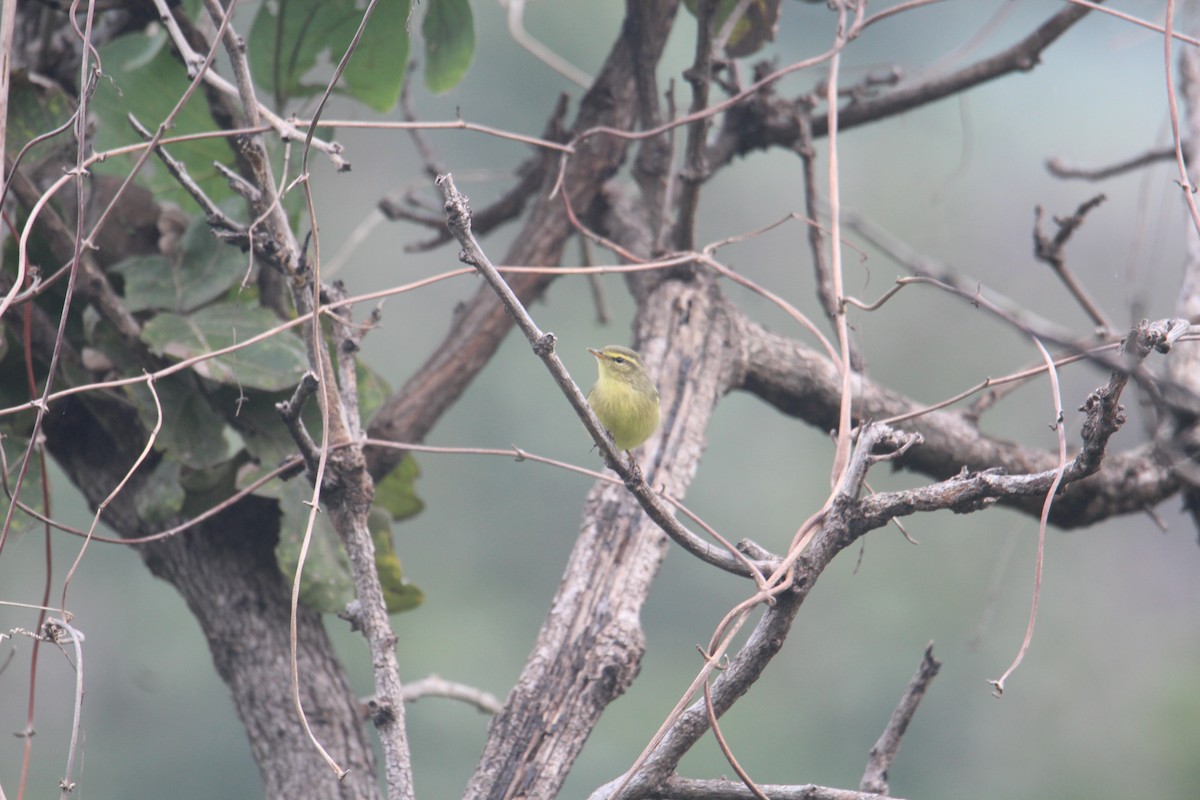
[624,398]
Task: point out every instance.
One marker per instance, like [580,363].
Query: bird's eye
[618,360]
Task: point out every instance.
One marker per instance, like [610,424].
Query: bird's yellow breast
[629,412]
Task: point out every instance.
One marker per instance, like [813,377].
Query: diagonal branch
[480,325]
[774,122]
[884,751]
[1021,57]
[1050,250]
[769,634]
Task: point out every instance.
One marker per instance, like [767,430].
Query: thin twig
[1121,15]
[816,241]
[695,165]
[998,685]
[435,686]
[1185,183]
[1058,169]
[458,215]
[841,325]
[516,29]
[817,541]
[883,752]
[1050,251]
[726,750]
[285,128]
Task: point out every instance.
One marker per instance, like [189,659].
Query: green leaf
[267,440]
[325,583]
[375,74]
[373,390]
[202,270]
[143,78]
[395,492]
[31,488]
[756,26]
[192,433]
[273,364]
[33,110]
[205,488]
[262,430]
[288,36]
[161,496]
[398,594]
[449,33]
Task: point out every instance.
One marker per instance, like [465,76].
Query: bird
[624,398]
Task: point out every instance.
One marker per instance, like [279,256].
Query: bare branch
[1050,250]
[291,409]
[832,533]
[434,686]
[459,220]
[883,752]
[800,382]
[775,122]
[1021,57]
[1059,169]
[695,169]
[61,241]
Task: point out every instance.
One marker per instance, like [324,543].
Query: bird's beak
[594,352]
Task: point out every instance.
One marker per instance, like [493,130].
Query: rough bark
[591,642]
[226,571]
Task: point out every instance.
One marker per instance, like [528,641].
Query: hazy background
[1105,704]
